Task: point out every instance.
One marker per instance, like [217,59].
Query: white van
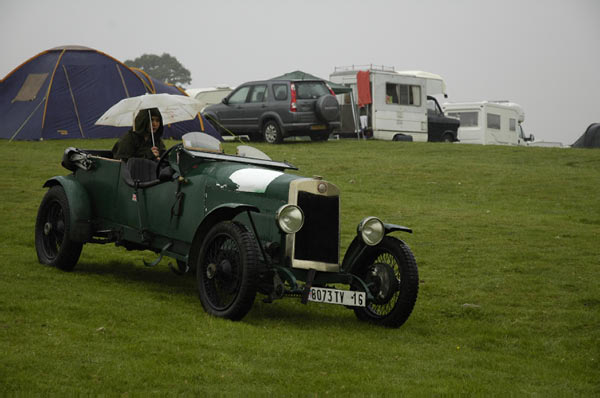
[210,95]
[401,106]
[489,122]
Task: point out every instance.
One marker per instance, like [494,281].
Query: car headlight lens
[290,218]
[371,230]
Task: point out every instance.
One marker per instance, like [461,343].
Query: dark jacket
[137,142]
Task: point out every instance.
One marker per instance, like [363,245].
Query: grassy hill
[506,240]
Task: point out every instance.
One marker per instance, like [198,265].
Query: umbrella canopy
[173,108]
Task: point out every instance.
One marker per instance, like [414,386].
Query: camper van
[399,105]
[489,122]
[210,95]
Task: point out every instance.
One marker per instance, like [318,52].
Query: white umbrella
[173,108]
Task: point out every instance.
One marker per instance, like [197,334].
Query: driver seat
[139,172]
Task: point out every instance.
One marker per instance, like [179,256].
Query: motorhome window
[512,124]
[402,94]
[467,119]
[493,121]
[239,97]
[258,94]
[281,91]
[311,90]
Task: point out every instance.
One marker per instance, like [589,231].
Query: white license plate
[334,296]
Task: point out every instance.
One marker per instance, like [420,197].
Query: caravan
[489,122]
[399,106]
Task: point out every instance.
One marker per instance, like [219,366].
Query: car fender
[80,209]
[357,247]
[224,212]
[271,116]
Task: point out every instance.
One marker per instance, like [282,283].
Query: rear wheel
[390,271]
[448,137]
[272,132]
[227,271]
[52,229]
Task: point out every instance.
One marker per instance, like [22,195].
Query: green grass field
[507,243]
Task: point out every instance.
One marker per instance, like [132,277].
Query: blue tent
[61,92]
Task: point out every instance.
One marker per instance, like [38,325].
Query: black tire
[402,137]
[328,108]
[227,271]
[447,138]
[52,230]
[272,132]
[391,271]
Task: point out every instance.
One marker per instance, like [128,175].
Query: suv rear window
[311,90]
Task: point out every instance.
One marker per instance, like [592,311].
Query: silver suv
[274,109]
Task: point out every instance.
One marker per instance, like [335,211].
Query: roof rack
[361,67]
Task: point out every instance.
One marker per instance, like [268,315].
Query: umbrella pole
[151,129]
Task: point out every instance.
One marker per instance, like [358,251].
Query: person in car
[137,142]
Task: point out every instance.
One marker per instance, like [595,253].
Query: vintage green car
[241,222]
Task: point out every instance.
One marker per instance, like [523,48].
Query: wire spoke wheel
[223,269]
[52,228]
[226,271]
[390,272]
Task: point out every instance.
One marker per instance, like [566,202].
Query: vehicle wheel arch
[224,212]
[270,116]
[449,133]
[80,208]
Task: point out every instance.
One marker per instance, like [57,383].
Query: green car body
[243,224]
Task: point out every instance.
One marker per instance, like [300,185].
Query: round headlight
[290,218]
[371,230]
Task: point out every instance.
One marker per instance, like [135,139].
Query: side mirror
[225,101]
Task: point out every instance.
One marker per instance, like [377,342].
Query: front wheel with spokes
[390,271]
[226,271]
[52,231]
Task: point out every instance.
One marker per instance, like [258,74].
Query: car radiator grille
[318,240]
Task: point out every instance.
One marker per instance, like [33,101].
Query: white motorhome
[210,95]
[489,122]
[400,105]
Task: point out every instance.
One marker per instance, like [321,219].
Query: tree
[164,67]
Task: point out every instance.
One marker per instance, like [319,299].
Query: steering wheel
[163,159]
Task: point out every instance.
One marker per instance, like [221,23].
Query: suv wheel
[272,132]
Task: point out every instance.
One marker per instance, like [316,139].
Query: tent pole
[74,103]
[122,80]
[26,120]
[50,87]
[353,105]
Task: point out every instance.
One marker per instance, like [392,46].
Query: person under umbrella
[144,139]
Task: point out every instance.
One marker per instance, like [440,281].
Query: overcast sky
[543,55]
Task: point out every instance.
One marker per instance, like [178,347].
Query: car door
[231,114]
[255,107]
